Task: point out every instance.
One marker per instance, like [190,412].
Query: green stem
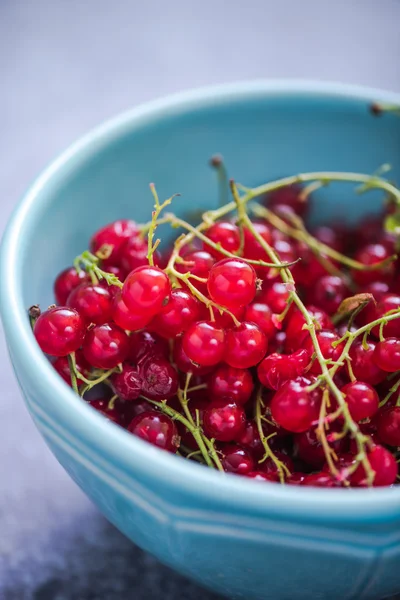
[197,232]
[392,391]
[91,383]
[326,376]
[317,247]
[195,431]
[280,466]
[72,372]
[89,263]
[34,314]
[217,162]
[322,435]
[158,208]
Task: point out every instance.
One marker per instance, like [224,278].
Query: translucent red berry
[93,303]
[59,331]
[223,420]
[236,459]
[145,344]
[67,281]
[328,293]
[384,465]
[232,384]
[275,295]
[289,196]
[362,400]
[246,346]
[61,365]
[276,368]
[127,384]
[249,437]
[387,355]
[310,450]
[157,429]
[326,340]
[159,378]
[293,407]
[260,476]
[370,255]
[270,466]
[252,247]
[295,334]
[176,316]
[388,302]
[226,234]
[232,282]
[183,362]
[388,426]
[114,234]
[204,343]
[108,410]
[261,314]
[363,365]
[133,254]
[321,480]
[146,289]
[127,319]
[105,346]
[198,263]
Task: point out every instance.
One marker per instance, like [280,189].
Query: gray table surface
[66,65]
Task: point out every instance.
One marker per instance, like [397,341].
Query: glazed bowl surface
[239,537]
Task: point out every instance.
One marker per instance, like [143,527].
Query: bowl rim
[114,443]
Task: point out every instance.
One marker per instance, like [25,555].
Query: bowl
[238,537]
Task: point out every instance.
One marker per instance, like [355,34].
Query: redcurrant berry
[383,463]
[93,303]
[204,343]
[295,408]
[329,292]
[125,318]
[232,282]
[157,429]
[295,334]
[105,346]
[232,384]
[246,345]
[388,426]
[226,234]
[59,331]
[68,280]
[146,290]
[176,316]
[387,355]
[127,384]
[223,420]
[326,339]
[114,234]
[159,378]
[370,255]
[363,365]
[260,314]
[362,400]
[237,460]
[276,369]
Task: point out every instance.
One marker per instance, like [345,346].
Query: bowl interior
[261,136]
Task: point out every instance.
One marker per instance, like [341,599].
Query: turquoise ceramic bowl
[238,537]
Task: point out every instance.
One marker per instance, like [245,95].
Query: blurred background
[65,65]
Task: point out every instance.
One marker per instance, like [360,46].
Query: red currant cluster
[255,345]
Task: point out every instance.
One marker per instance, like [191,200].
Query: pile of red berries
[231,351]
